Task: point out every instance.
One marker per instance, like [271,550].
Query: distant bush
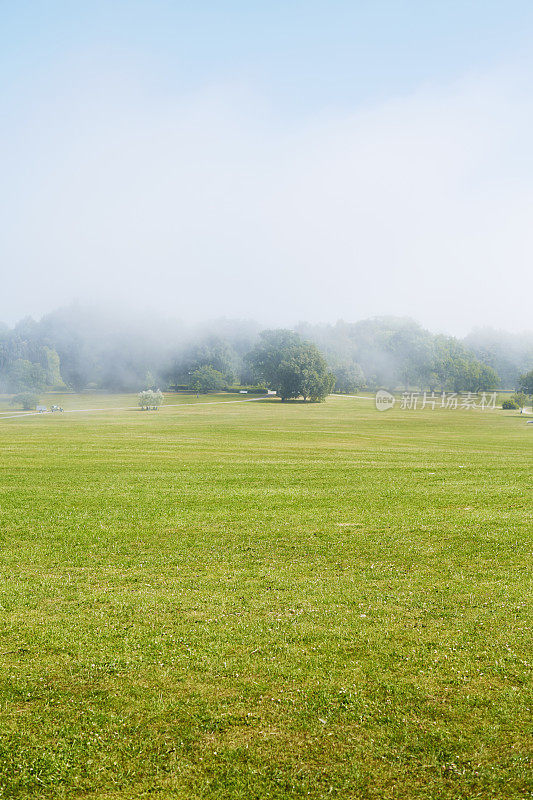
[510,404]
[206,379]
[150,400]
[520,398]
[28,400]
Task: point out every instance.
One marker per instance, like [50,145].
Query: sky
[279,161]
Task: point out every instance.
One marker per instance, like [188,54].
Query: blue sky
[319,144]
[302,56]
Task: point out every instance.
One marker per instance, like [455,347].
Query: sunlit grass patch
[261,600]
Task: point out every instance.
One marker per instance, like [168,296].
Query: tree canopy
[206,379]
[150,399]
[525,382]
[86,349]
[290,366]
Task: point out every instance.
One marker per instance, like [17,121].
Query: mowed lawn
[265,600]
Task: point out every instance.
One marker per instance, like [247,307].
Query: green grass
[264,600]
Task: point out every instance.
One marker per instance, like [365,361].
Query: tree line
[80,348]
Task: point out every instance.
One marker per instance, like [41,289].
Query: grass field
[259,600]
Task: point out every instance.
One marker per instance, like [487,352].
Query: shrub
[150,400]
[520,399]
[206,379]
[28,400]
[249,389]
[509,404]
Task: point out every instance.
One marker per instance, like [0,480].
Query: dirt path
[24,414]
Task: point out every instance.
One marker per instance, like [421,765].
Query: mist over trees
[508,354]
[81,348]
[525,383]
[27,363]
[292,367]
[398,353]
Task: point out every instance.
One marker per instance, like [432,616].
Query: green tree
[209,351]
[157,397]
[49,361]
[144,398]
[525,383]
[487,379]
[24,376]
[28,400]
[149,399]
[348,378]
[520,399]
[206,379]
[290,366]
[266,357]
